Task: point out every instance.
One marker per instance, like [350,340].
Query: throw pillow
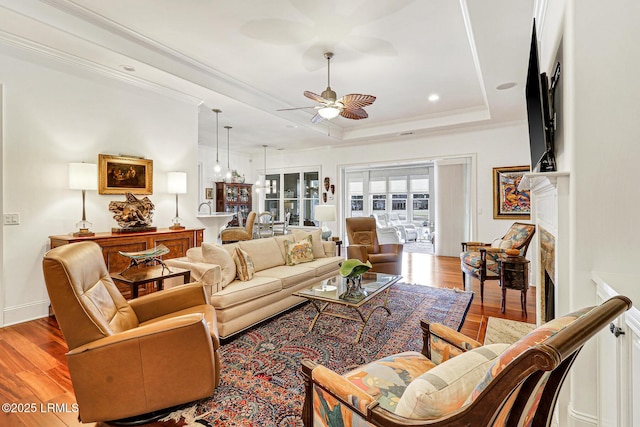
[447,386]
[216,254]
[502,244]
[244,265]
[316,241]
[298,252]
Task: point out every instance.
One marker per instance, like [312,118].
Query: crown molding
[41,51]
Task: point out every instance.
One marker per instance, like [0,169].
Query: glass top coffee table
[334,291]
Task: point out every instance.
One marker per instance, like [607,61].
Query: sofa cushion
[244,265]
[195,254]
[447,386]
[239,292]
[289,275]
[316,241]
[216,254]
[298,252]
[323,266]
[385,379]
[280,241]
[264,253]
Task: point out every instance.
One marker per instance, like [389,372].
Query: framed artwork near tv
[508,201]
[121,175]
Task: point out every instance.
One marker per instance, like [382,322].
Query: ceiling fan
[349,106]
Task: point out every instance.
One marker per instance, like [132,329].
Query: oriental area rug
[261,381]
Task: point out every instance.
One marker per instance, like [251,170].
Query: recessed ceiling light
[434,97]
[291,126]
[128,68]
[505,86]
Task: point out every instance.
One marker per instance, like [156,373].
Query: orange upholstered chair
[364,245]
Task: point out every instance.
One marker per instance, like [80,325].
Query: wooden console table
[178,241]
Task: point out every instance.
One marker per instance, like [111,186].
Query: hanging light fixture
[228,175]
[217,168]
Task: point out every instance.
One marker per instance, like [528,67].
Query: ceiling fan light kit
[349,106]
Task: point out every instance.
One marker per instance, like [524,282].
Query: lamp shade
[325,213]
[83,176]
[177,182]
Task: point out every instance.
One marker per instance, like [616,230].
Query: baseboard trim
[25,312]
[580,419]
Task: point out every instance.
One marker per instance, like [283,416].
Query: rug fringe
[188,415]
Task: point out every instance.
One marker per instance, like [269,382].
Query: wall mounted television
[539,113]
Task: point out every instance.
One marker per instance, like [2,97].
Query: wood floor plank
[29,350]
[42,386]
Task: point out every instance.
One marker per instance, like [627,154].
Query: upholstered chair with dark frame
[492,385]
[130,359]
[479,260]
[364,245]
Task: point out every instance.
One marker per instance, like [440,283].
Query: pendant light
[217,168]
[228,128]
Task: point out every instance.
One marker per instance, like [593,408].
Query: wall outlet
[11,219]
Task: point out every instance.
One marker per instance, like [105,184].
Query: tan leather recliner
[235,234]
[128,358]
[363,245]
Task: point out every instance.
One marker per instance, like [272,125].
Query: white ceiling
[250,58]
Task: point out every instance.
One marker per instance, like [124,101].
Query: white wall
[54,115]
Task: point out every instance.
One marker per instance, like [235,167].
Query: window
[295,193]
[355,191]
[421,207]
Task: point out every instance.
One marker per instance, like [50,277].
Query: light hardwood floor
[34,371]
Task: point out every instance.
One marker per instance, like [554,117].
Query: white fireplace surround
[549,210]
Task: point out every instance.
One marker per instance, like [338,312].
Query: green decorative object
[352,268]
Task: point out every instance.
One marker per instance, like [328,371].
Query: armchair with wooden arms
[235,234]
[496,384]
[364,245]
[130,358]
[479,260]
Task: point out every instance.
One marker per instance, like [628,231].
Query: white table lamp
[177,184]
[83,176]
[324,213]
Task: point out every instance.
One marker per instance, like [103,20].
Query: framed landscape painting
[508,201]
[120,175]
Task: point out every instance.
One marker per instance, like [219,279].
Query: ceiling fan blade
[354,114]
[316,118]
[356,100]
[296,108]
[316,97]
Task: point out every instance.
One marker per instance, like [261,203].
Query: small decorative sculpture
[352,270]
[133,214]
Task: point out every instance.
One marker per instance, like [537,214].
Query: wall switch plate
[11,219]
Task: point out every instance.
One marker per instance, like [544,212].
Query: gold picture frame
[508,201]
[121,175]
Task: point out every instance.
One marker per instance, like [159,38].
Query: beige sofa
[241,304]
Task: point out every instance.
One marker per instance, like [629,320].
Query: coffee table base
[364,318]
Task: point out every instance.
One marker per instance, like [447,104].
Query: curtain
[452,205]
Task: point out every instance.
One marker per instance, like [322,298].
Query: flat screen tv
[538,113]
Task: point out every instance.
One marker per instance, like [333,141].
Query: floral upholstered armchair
[480,259]
[496,384]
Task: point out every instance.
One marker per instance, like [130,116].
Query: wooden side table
[338,243]
[135,277]
[514,274]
